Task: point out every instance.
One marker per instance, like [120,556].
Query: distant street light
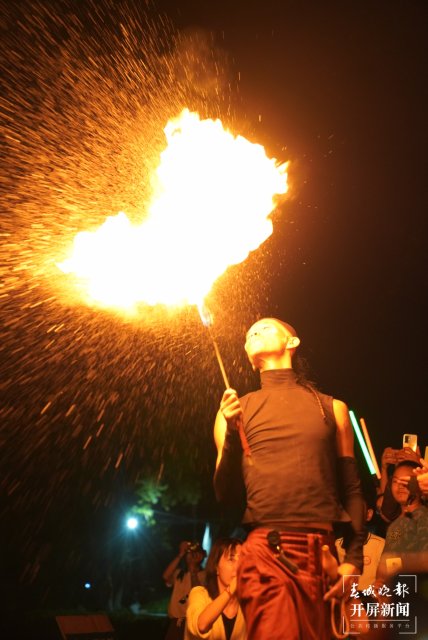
[132,523]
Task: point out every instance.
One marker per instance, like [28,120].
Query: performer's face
[266,336]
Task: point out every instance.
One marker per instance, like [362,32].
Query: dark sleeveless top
[292,472]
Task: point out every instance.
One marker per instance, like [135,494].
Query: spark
[90,401]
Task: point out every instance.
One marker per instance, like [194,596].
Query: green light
[362,443]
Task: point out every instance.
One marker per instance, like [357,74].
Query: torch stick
[219,360]
[207,321]
[370,448]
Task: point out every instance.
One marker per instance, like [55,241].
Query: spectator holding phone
[388,507]
[421,474]
[183,572]
[409,532]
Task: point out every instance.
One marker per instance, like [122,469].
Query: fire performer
[300,477]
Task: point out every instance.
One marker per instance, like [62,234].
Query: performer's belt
[283,528]
[278,541]
[323,532]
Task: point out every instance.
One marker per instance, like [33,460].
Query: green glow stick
[362,443]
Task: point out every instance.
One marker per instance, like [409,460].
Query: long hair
[220,547]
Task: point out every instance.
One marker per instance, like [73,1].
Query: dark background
[336,88]
[341,86]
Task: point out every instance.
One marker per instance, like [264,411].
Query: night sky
[339,86]
[92,403]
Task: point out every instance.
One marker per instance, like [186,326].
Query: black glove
[353,502]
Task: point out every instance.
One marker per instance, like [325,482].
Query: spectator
[182,573]
[214,612]
[388,508]
[409,532]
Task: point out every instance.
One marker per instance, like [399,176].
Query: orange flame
[214,195]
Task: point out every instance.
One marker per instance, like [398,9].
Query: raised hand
[230,407]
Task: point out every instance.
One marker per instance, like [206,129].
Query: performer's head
[271,344]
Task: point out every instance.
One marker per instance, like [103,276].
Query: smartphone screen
[410,440]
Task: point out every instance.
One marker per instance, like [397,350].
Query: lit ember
[214,193]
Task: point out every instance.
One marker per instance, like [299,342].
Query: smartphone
[410,440]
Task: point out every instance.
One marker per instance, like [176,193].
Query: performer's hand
[230,407]
[347,574]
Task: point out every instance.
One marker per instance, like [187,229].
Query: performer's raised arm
[228,485]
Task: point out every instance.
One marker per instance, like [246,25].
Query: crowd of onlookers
[203,603]
[402,500]
[397,517]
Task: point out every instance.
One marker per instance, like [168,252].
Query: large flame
[213,199]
